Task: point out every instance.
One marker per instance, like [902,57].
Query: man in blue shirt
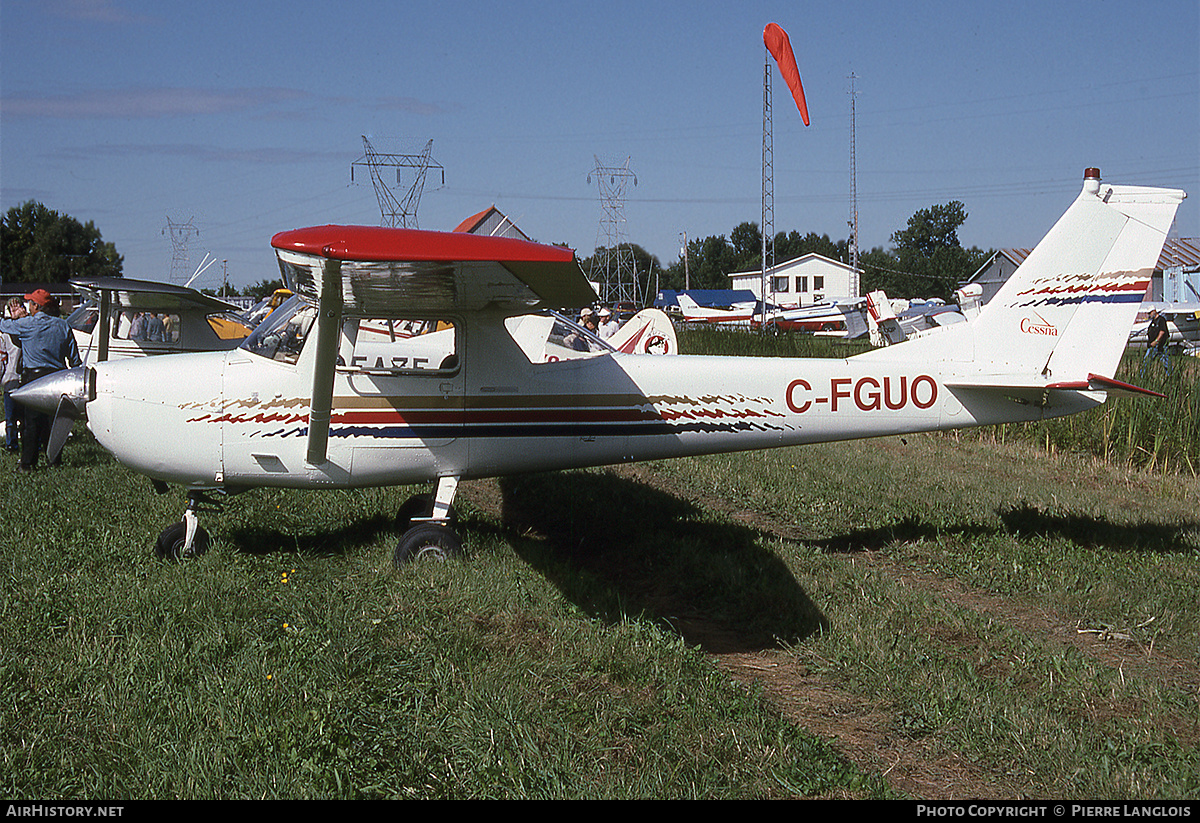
[47,346]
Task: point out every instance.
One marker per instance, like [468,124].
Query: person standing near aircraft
[1157,337]
[608,324]
[155,330]
[47,346]
[10,377]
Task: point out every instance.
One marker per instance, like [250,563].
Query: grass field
[930,616]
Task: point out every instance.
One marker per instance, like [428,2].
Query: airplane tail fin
[647,332]
[1064,315]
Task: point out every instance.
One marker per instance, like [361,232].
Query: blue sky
[245,118]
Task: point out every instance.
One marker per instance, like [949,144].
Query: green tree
[929,259]
[746,239]
[39,245]
[791,245]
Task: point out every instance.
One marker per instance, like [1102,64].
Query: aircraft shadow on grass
[1101,533]
[619,549]
[1024,521]
[260,540]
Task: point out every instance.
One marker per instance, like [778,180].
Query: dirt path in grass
[861,730]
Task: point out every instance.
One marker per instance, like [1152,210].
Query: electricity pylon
[613,265]
[397,212]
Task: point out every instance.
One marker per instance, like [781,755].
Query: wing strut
[329,321]
[103,325]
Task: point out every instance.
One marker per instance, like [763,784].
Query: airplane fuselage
[243,420]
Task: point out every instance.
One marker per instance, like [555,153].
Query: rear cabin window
[421,346]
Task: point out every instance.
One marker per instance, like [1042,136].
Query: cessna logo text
[866,393]
[1039,326]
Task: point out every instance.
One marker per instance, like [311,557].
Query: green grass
[292,661]
[1040,550]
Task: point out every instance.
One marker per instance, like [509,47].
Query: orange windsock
[777,43]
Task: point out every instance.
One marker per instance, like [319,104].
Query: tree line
[40,245]
[927,258]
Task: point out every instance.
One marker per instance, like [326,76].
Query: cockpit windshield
[84,318]
[281,335]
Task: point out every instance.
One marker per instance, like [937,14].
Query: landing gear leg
[186,538]
[430,533]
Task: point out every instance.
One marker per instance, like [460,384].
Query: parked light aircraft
[296,407]
[886,327]
[739,314]
[119,317]
[837,318]
[834,318]
[187,320]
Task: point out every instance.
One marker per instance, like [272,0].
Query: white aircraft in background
[143,317]
[737,314]
[298,406]
[831,318]
[174,319]
[887,328]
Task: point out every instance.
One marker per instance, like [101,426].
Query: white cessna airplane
[301,406]
[193,320]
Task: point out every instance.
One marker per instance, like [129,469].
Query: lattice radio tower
[613,266]
[768,189]
[180,234]
[397,212]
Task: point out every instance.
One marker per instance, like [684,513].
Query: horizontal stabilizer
[1097,382]
[1028,388]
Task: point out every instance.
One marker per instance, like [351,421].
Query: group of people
[35,340]
[151,327]
[600,323]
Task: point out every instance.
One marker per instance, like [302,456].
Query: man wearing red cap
[47,346]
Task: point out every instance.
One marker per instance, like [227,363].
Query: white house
[802,281]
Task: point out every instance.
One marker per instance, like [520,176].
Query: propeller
[64,418]
[62,394]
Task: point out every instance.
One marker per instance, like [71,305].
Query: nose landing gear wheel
[171,541]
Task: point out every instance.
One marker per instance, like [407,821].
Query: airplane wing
[382,272]
[147,295]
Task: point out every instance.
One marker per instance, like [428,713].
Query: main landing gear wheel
[419,506]
[426,541]
[171,541]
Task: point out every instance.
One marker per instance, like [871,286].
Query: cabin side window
[549,337]
[409,346]
[147,327]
